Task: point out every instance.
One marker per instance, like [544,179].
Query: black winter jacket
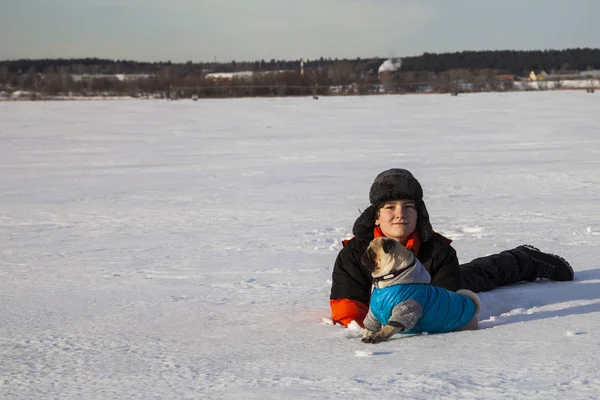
[350,280]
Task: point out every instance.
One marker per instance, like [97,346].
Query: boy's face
[398,219]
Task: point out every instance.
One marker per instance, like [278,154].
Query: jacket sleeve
[371,323]
[445,272]
[350,287]
[406,315]
[344,311]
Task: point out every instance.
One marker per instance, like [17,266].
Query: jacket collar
[413,244]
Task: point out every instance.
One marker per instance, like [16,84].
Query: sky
[248,30]
[165,250]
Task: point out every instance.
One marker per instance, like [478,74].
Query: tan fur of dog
[386,255]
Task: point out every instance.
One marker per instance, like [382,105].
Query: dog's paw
[371,339]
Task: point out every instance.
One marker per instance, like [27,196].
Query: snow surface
[183,250]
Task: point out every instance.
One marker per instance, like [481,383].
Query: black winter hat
[394,184]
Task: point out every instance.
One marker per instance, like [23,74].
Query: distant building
[505,78]
[594,73]
[425,89]
[132,77]
[241,75]
[229,75]
[114,77]
[539,77]
[464,86]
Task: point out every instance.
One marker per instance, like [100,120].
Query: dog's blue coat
[443,310]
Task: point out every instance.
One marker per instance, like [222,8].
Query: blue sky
[202,30]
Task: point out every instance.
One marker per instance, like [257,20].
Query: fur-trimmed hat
[394,184]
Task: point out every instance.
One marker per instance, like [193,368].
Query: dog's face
[379,257]
[385,255]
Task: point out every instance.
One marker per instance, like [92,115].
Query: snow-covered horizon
[183,250]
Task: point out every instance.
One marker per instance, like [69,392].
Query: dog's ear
[368,259]
[387,246]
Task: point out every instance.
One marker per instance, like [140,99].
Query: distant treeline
[510,61]
[507,61]
[441,73]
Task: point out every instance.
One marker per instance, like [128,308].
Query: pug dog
[403,300]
